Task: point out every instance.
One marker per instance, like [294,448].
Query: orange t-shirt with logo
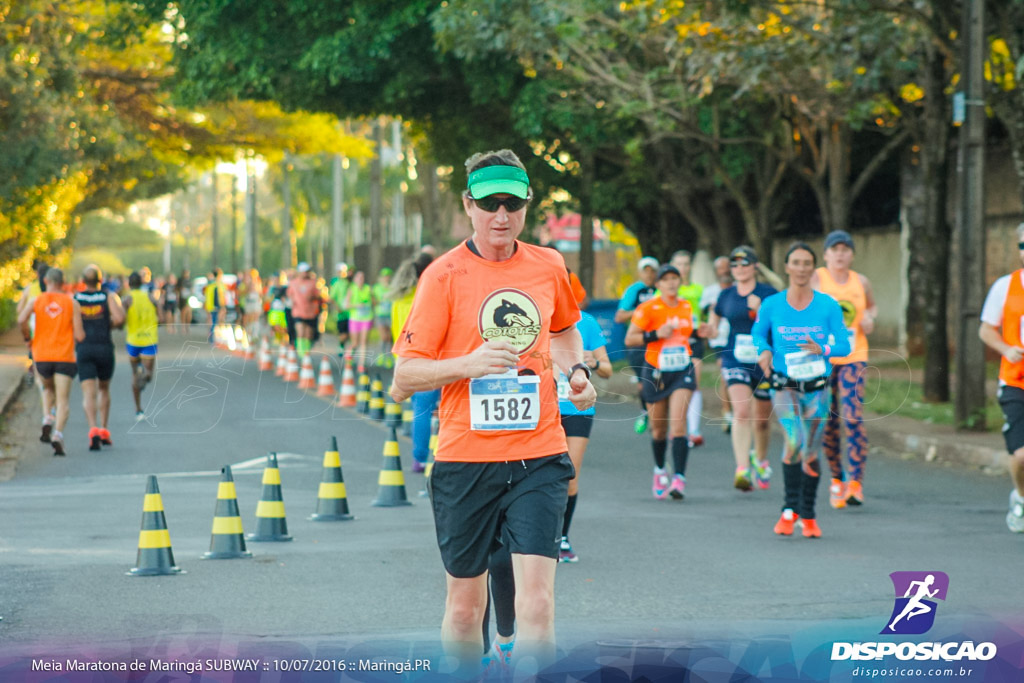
[54,340]
[463,300]
[652,314]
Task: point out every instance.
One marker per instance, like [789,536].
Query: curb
[940,449]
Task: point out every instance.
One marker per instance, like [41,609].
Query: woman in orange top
[664,325]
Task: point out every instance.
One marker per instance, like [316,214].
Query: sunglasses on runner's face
[738,263]
[491,203]
[1020,245]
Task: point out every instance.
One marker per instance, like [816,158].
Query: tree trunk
[934,247]
[839,177]
[376,205]
[586,273]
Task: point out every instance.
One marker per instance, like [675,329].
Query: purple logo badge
[916,592]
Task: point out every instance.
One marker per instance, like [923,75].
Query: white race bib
[722,338]
[803,366]
[744,351]
[563,386]
[673,358]
[504,401]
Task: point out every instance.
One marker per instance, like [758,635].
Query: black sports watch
[580,366]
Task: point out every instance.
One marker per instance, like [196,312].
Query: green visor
[489,180]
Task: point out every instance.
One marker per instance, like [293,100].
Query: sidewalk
[13,366]
[898,436]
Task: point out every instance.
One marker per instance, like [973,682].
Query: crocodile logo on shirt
[511,315]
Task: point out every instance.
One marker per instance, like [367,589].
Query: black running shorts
[473,502]
[657,386]
[578,425]
[1011,400]
[48,369]
[753,378]
[95,363]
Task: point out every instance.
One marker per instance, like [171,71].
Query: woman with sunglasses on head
[663,325]
[796,332]
[746,384]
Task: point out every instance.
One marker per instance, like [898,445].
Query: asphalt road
[707,567]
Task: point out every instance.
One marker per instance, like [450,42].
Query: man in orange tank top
[1001,320]
[853,292]
[58,327]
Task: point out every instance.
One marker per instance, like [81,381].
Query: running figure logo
[914,611]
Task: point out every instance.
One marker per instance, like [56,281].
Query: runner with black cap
[796,332]
[746,384]
[663,326]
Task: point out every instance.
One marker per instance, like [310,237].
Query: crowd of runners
[493,339]
[68,327]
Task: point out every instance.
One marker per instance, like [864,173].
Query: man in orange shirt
[1002,329]
[306,302]
[58,327]
[490,321]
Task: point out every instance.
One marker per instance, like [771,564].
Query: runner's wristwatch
[580,366]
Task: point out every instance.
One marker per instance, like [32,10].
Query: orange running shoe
[784,527]
[855,493]
[837,494]
[105,437]
[810,528]
[94,439]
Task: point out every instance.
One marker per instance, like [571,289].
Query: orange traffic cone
[227,541]
[332,504]
[266,360]
[241,340]
[391,480]
[363,394]
[291,368]
[377,400]
[347,397]
[282,360]
[271,524]
[307,378]
[247,351]
[325,380]
[155,557]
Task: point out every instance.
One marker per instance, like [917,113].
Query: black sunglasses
[491,203]
[1020,245]
[737,263]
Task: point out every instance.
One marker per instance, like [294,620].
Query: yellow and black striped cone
[331,502]
[155,557]
[431,450]
[227,541]
[377,399]
[392,412]
[270,522]
[391,480]
[363,394]
[407,417]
